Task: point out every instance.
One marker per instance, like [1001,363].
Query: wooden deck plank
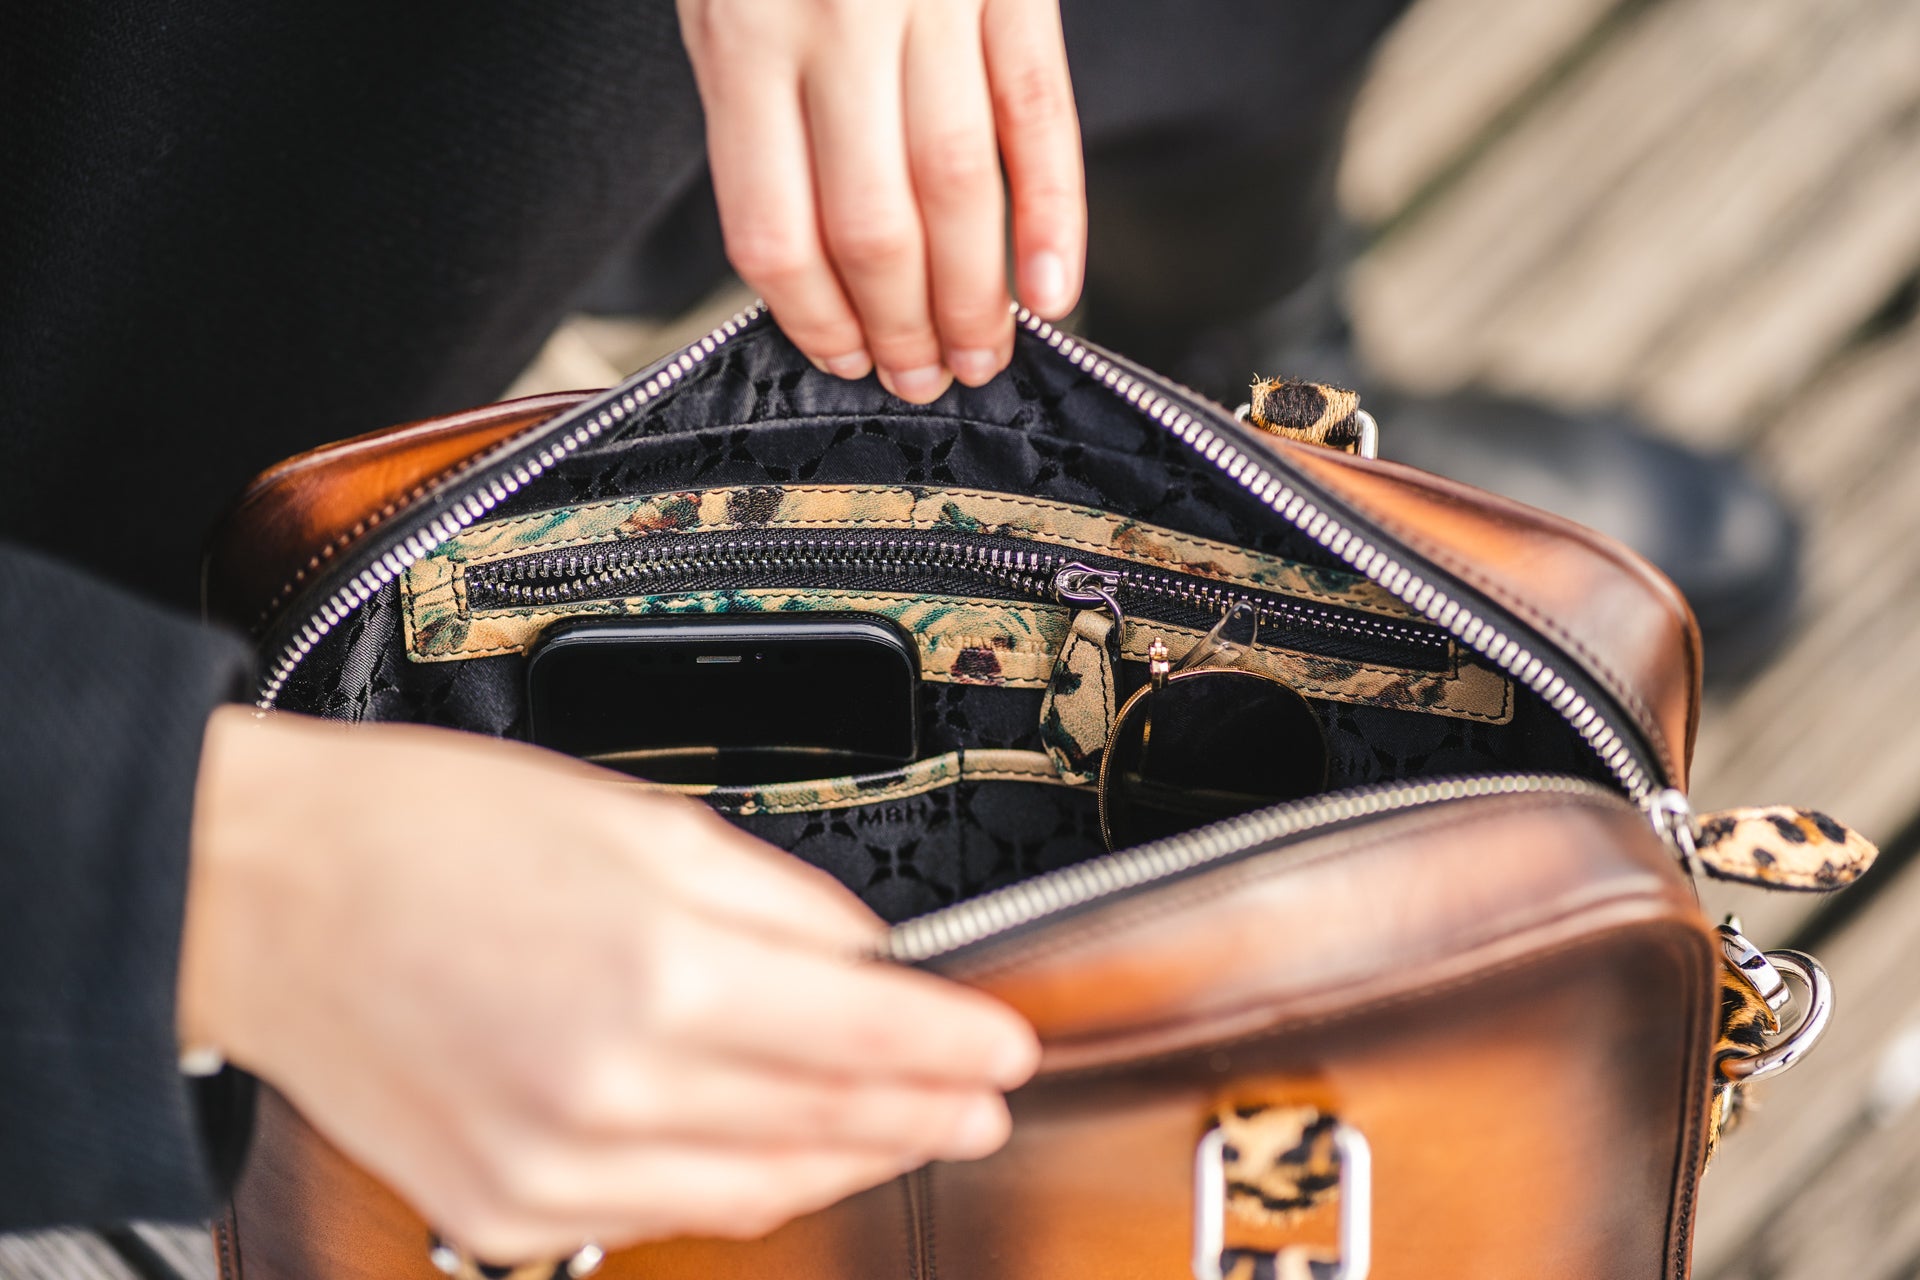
[60,1255]
[1421,298]
[1446,72]
[189,1250]
[1781,322]
[1727,190]
[1851,1217]
[1828,723]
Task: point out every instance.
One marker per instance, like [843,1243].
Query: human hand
[546,1006]
[855,147]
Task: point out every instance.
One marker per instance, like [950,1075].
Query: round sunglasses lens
[1205,746]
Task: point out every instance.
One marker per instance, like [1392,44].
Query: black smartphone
[734,700]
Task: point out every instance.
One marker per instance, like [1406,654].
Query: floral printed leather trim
[918,778]
[961,640]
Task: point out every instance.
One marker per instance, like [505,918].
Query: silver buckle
[1356,1204]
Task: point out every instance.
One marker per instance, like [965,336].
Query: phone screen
[723,700]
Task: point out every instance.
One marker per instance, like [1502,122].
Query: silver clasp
[1078,583]
[1766,972]
[1356,1204]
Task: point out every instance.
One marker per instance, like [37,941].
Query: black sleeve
[103,701]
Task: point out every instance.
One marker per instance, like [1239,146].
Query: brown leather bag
[1459,1016]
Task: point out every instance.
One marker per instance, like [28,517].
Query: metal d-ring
[1356,1204]
[451,1261]
[1790,1049]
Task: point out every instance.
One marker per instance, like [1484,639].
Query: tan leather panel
[295,517]
[1593,597]
[1522,1030]
[1351,917]
[1520,1128]
[303,1211]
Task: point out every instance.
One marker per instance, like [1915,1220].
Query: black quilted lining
[757,413]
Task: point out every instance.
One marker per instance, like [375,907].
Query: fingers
[763,183]
[728,1101]
[870,220]
[856,160]
[1040,141]
[956,175]
[764,1002]
[729,875]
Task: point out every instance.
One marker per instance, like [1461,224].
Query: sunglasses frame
[1212,655]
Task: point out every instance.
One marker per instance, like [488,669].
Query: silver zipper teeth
[585,574]
[1363,556]
[342,604]
[978,919]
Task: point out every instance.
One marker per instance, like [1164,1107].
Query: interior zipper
[1002,567]
[1189,425]
[1053,893]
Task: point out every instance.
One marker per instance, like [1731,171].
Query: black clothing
[234,230]
[102,698]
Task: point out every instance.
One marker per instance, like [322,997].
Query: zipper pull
[1076,715]
[1078,583]
[1772,846]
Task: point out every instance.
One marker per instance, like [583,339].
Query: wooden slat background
[1708,210]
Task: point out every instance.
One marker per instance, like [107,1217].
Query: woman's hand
[546,1007]
[856,149]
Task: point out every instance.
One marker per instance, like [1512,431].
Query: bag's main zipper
[1030,901]
[1011,567]
[1216,447]
[1364,555]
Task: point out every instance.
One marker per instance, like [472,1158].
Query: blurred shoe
[1708,522]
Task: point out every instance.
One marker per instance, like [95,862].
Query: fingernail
[1047,284]
[982,1128]
[974,366]
[918,385]
[852,366]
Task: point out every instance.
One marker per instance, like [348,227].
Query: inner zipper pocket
[984,567]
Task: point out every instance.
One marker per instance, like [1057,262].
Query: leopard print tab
[1281,1163]
[1077,713]
[1282,1176]
[1310,412]
[1778,847]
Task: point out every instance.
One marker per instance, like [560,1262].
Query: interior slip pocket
[929,834]
[967,574]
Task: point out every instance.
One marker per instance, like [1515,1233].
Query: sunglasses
[1205,739]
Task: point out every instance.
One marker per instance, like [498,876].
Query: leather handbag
[1454,1013]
